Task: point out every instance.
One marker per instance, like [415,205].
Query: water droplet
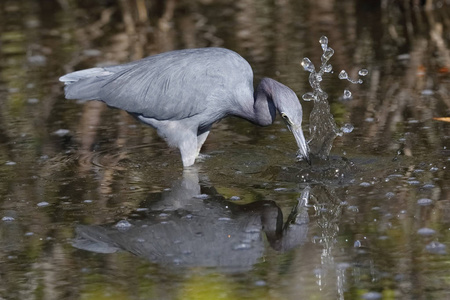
[343,75]
[29,233]
[8,219]
[319,78]
[363,72]
[10,163]
[424,202]
[201,196]
[347,95]
[347,128]
[426,231]
[123,224]
[359,81]
[224,219]
[43,204]
[328,68]
[235,198]
[323,42]
[328,53]
[308,65]
[364,184]
[309,97]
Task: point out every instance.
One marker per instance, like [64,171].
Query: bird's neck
[264,107]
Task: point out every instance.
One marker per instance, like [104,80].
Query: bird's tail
[84,84]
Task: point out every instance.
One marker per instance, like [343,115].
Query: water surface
[96,206]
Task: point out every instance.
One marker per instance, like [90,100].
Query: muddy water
[96,206]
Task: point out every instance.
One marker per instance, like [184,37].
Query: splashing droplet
[328,68]
[343,75]
[363,72]
[308,97]
[347,128]
[123,224]
[328,53]
[347,95]
[323,42]
[308,65]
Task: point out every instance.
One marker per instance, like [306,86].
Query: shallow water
[94,205]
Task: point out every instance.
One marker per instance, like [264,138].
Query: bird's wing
[162,87]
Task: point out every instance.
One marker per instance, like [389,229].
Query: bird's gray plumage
[182,93]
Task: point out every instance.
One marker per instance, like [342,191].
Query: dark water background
[79,179]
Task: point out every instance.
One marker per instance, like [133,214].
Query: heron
[182,93]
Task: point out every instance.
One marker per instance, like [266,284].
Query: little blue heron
[183,93]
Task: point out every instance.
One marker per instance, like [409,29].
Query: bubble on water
[328,53]
[389,195]
[424,202]
[309,97]
[43,204]
[372,296]
[323,42]
[33,100]
[363,72]
[242,246]
[308,65]
[426,231]
[347,95]
[353,208]
[347,128]
[343,75]
[427,92]
[436,248]
[428,186]
[8,219]
[343,265]
[260,283]
[123,224]
[61,132]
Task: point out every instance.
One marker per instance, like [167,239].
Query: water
[383,188]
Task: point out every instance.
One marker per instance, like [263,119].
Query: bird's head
[292,113]
[286,102]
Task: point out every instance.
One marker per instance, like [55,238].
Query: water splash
[323,128]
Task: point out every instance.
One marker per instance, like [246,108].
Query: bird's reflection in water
[186,228]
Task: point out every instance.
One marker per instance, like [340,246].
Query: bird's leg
[201,138]
[188,149]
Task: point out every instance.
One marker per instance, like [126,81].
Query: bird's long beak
[303,149]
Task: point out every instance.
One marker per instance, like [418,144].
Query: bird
[182,93]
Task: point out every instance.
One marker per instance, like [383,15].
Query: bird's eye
[286,119]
